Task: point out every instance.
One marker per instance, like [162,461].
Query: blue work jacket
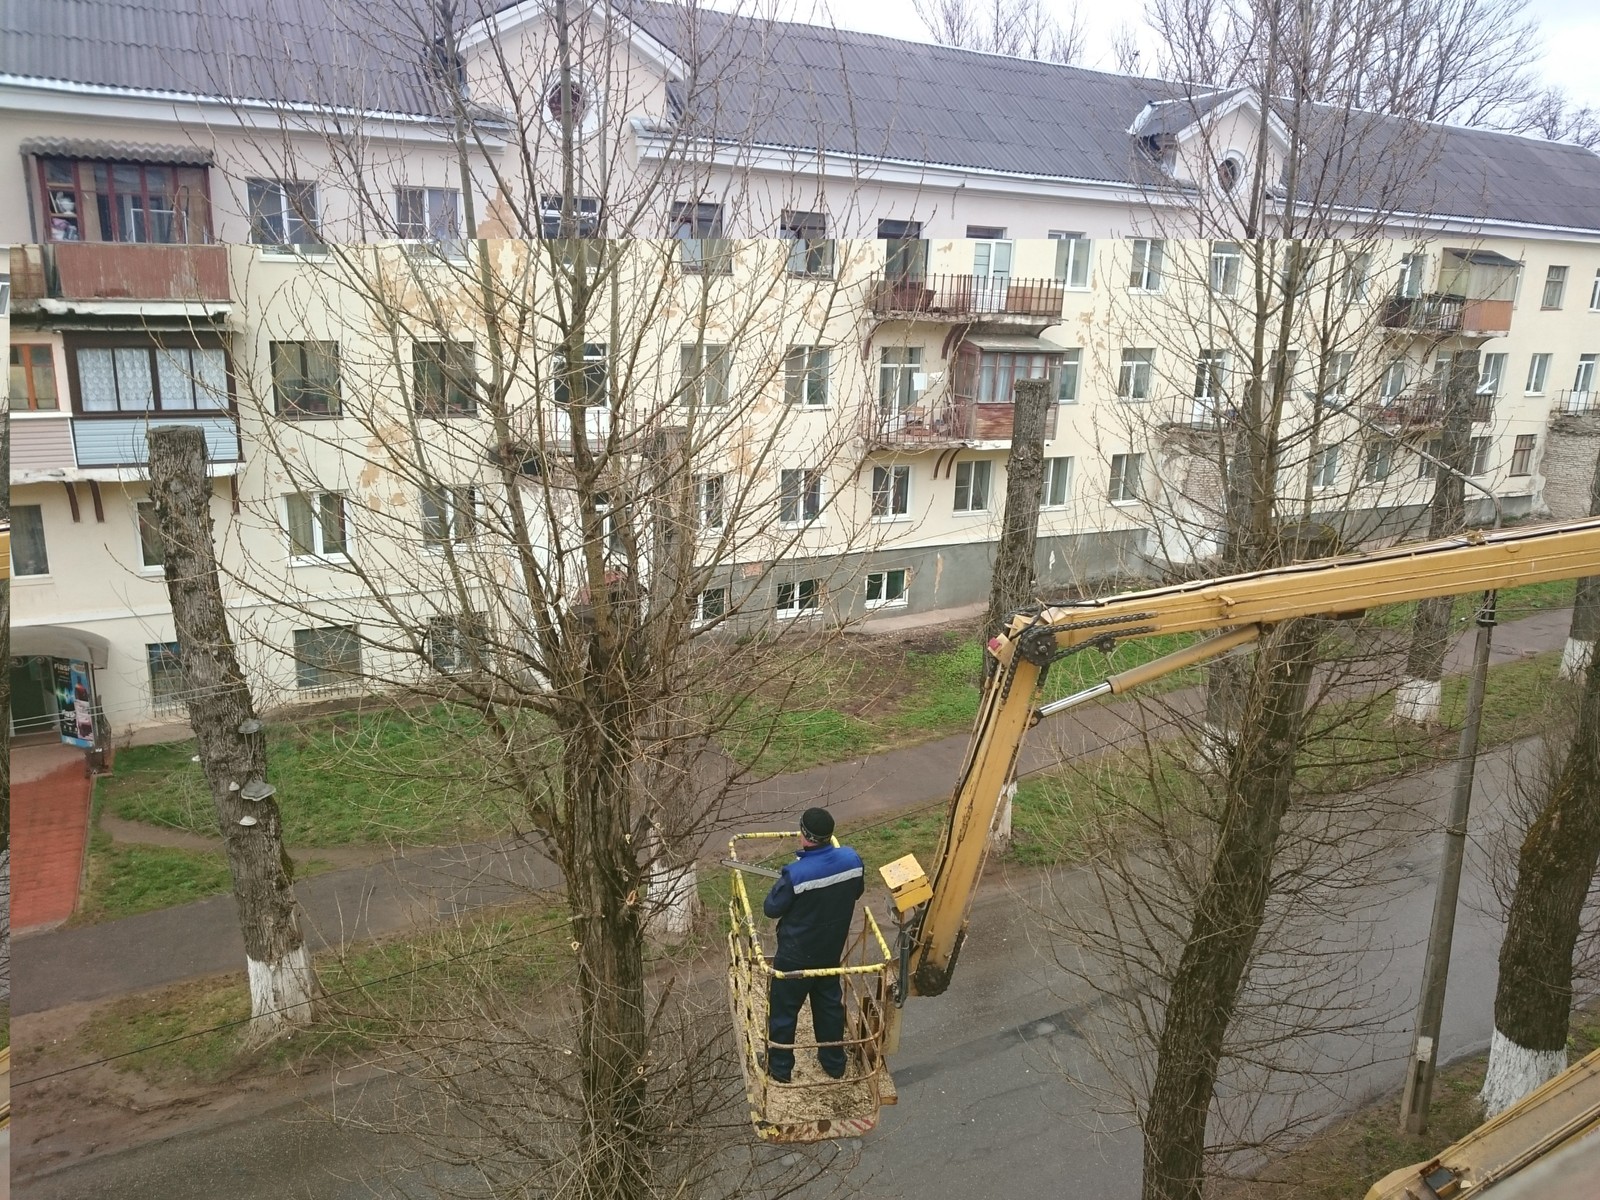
[814,901]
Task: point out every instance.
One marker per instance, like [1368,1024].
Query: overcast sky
[1571,31]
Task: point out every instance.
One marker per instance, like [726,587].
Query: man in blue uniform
[814,902]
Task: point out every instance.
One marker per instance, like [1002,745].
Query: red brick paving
[49,831]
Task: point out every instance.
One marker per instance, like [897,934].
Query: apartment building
[971,220]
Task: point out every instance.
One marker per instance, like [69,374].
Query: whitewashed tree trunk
[1418,701]
[1000,832]
[281,993]
[673,894]
[1575,657]
[1514,1071]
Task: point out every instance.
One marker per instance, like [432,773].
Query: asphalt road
[995,1077]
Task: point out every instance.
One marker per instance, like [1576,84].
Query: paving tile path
[50,792]
[156,948]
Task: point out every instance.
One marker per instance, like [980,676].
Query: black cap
[817,824]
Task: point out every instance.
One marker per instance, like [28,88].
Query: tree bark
[1555,870]
[1012,585]
[230,737]
[1417,698]
[1585,630]
[1227,918]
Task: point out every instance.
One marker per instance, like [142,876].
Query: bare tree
[1013,583]
[1585,631]
[1552,114]
[1021,28]
[231,738]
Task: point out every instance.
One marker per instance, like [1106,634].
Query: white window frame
[1358,278]
[1118,491]
[1482,447]
[440,229]
[348,681]
[710,502]
[1069,384]
[1377,463]
[699,365]
[1058,472]
[1555,276]
[796,609]
[1583,377]
[146,567]
[883,577]
[320,556]
[457,506]
[170,702]
[1538,374]
[974,469]
[811,494]
[891,473]
[1324,468]
[1492,374]
[1394,380]
[454,635]
[1072,259]
[1413,276]
[287,219]
[1144,275]
[1341,366]
[700,617]
[1133,370]
[1594,293]
[806,371]
[1227,257]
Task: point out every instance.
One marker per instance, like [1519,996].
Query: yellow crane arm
[1243,604]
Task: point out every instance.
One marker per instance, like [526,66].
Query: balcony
[64,275]
[964,297]
[1574,403]
[949,421]
[64,446]
[1445,316]
[1423,408]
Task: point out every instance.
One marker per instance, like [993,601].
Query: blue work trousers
[827,1020]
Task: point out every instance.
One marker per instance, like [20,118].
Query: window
[457,644]
[283,214]
[702,248]
[88,201]
[611,531]
[1522,454]
[1427,460]
[584,383]
[1071,367]
[1538,373]
[1357,274]
[709,501]
[442,379]
[1555,287]
[1379,461]
[906,255]
[33,378]
[1072,258]
[1210,373]
[429,215]
[1480,455]
[799,598]
[585,216]
[810,252]
[991,262]
[898,367]
[1225,261]
[305,378]
[1491,374]
[891,492]
[1583,380]
[447,515]
[1125,472]
[1394,380]
[152,553]
[1325,467]
[1057,482]
[799,495]
[316,523]
[28,556]
[142,378]
[972,485]
[166,677]
[805,376]
[998,374]
[887,589]
[1340,365]
[703,374]
[1594,293]
[1146,273]
[325,657]
[1413,269]
[711,605]
[1133,381]
[1230,169]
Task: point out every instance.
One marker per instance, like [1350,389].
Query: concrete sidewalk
[156,948]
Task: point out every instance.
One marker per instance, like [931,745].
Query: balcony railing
[119,271]
[1575,402]
[1424,407]
[966,296]
[952,420]
[1438,313]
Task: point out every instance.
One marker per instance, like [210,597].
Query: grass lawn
[193,1030]
[1343,1161]
[341,779]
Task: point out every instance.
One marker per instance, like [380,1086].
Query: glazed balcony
[118,271]
[968,297]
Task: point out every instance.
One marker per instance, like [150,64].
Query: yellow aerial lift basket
[811,1107]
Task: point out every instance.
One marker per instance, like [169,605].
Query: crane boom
[1242,604]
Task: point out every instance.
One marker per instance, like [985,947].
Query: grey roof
[63,147]
[790,85]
